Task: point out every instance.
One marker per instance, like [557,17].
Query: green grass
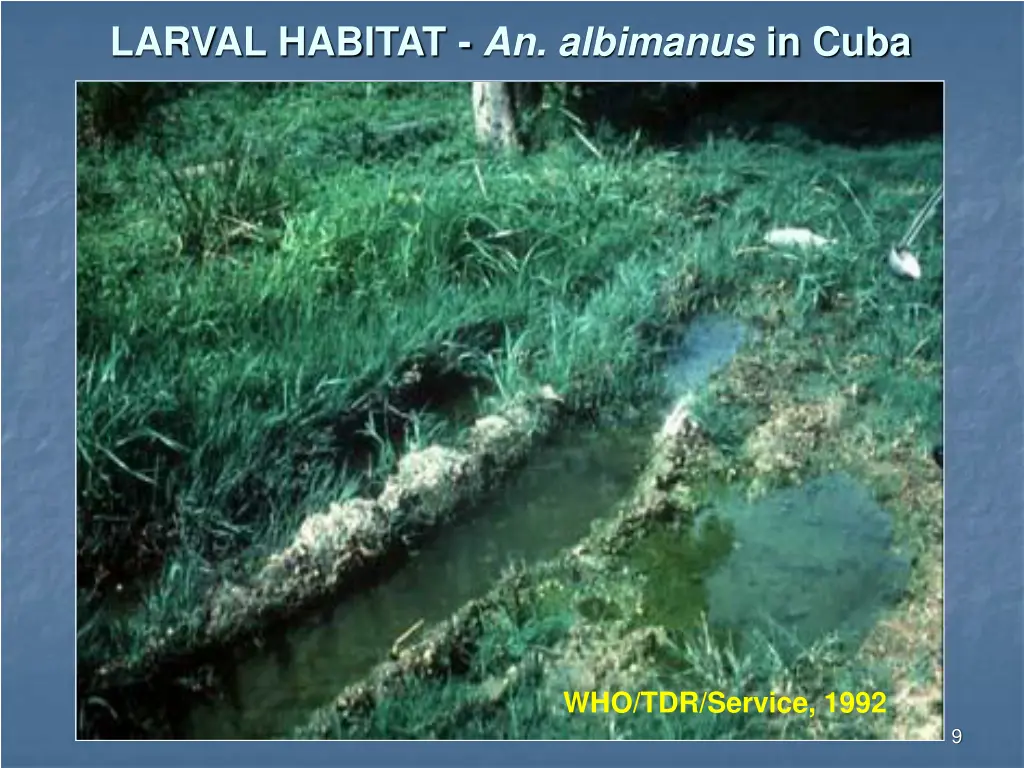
[259,266]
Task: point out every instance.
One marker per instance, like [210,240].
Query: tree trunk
[499,111]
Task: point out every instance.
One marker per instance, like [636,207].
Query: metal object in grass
[902,260]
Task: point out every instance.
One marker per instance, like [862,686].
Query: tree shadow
[851,114]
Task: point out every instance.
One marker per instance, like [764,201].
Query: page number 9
[957,735]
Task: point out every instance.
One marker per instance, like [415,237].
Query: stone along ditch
[812,560]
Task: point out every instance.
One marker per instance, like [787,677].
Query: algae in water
[809,560]
[794,565]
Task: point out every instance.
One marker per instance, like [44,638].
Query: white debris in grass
[796,237]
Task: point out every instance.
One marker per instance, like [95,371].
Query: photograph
[509,410]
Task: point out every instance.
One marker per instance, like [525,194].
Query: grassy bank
[283,289]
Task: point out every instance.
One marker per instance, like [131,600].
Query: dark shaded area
[854,114]
[114,112]
[424,387]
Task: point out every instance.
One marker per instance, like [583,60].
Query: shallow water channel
[545,507]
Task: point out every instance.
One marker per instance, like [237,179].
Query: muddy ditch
[446,648]
[350,548]
[794,566]
[583,474]
[428,489]
[341,550]
[548,504]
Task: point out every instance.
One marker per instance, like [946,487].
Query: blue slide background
[976,49]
